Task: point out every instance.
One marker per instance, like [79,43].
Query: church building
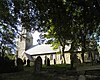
[26,50]
[25,42]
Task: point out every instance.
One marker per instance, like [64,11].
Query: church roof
[43,49]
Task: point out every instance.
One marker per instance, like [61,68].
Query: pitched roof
[43,49]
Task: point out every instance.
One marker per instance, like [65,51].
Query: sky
[35,37]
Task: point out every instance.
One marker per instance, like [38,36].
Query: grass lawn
[22,75]
[57,66]
[28,74]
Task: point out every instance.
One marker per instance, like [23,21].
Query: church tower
[25,41]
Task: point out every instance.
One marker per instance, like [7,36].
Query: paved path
[94,67]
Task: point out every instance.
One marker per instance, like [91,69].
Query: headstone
[28,63]
[48,62]
[45,61]
[20,64]
[38,64]
[81,77]
[54,61]
[24,61]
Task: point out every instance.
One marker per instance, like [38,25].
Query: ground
[49,73]
[22,75]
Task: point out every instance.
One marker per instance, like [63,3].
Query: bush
[6,65]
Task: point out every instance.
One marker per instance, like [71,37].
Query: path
[94,67]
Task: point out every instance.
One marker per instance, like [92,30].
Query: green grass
[22,75]
[28,74]
[56,66]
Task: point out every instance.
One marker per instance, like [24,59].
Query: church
[26,50]
[24,42]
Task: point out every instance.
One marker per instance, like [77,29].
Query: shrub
[6,65]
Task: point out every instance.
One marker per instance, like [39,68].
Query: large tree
[8,28]
[15,14]
[72,19]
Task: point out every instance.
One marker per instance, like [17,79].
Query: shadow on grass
[52,72]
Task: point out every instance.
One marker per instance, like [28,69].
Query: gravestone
[54,61]
[45,61]
[81,77]
[38,64]
[48,62]
[20,64]
[28,63]
[24,62]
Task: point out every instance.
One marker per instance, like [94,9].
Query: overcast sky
[35,37]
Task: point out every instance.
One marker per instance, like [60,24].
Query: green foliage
[70,20]
[63,19]
[10,56]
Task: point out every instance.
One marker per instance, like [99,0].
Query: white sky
[35,37]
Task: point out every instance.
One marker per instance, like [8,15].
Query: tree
[14,15]
[8,28]
[75,18]
[89,20]
[56,40]
[79,18]
[7,39]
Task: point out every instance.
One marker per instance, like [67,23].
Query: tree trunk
[82,55]
[71,55]
[91,57]
[3,53]
[63,54]
[72,61]
[83,46]
[83,50]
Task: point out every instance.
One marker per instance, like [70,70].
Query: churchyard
[55,72]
